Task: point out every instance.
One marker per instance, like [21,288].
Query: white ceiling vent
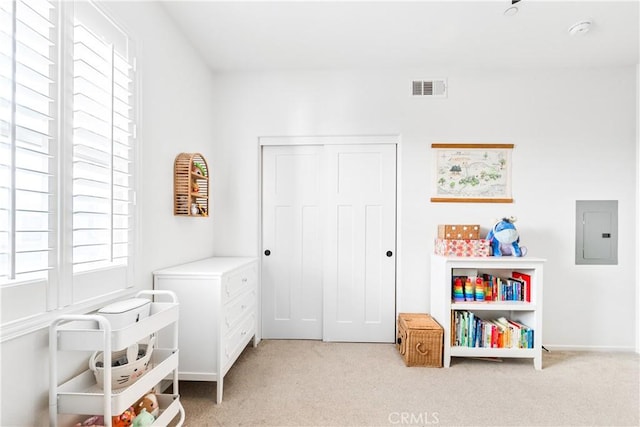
[432,88]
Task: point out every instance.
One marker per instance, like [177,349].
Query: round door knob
[267,252]
[389,253]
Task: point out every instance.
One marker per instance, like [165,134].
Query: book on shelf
[469,330]
[526,279]
[526,334]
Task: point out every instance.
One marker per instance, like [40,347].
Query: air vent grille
[434,88]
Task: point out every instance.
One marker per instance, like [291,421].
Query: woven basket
[136,357]
[420,340]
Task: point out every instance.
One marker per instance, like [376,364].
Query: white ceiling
[266,35]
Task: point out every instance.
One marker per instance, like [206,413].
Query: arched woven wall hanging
[191,185]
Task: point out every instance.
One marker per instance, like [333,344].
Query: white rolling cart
[93,332]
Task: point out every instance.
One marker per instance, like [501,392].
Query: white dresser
[218,314]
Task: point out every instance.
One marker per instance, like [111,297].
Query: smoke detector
[581,27]
[513,10]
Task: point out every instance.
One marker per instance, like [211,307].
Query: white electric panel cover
[597,232]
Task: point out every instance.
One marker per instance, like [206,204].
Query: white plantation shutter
[102,155]
[102,149]
[26,140]
[67,156]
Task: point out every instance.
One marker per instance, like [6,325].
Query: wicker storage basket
[420,340]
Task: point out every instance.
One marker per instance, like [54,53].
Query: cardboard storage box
[464,248]
[420,340]
[458,231]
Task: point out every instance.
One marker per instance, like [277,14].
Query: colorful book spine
[526,279]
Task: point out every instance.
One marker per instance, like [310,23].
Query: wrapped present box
[463,247]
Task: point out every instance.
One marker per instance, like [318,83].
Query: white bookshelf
[530,313]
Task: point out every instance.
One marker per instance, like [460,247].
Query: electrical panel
[597,232]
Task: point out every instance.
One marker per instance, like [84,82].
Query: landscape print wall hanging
[472,173]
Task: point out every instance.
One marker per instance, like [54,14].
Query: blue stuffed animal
[504,238]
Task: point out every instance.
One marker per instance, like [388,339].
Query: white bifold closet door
[328,222]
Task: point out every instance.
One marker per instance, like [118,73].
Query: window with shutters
[67,159]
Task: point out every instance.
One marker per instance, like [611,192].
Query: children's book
[527,283]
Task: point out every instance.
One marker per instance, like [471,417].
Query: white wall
[638,205]
[574,135]
[176,116]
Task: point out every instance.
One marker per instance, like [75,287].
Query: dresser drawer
[238,282]
[237,309]
[237,339]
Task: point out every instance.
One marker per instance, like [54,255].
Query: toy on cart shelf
[149,403]
[94,421]
[504,238]
[143,419]
[143,413]
[123,420]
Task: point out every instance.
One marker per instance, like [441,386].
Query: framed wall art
[472,173]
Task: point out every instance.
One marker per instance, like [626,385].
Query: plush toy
[125,419]
[94,421]
[198,169]
[201,210]
[149,403]
[504,238]
[143,419]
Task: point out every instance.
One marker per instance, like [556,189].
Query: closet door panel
[359,271]
[291,217]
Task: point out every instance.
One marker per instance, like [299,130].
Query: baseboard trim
[614,349]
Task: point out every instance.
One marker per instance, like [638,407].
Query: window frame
[57,294]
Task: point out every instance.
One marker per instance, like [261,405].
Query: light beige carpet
[311,383]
